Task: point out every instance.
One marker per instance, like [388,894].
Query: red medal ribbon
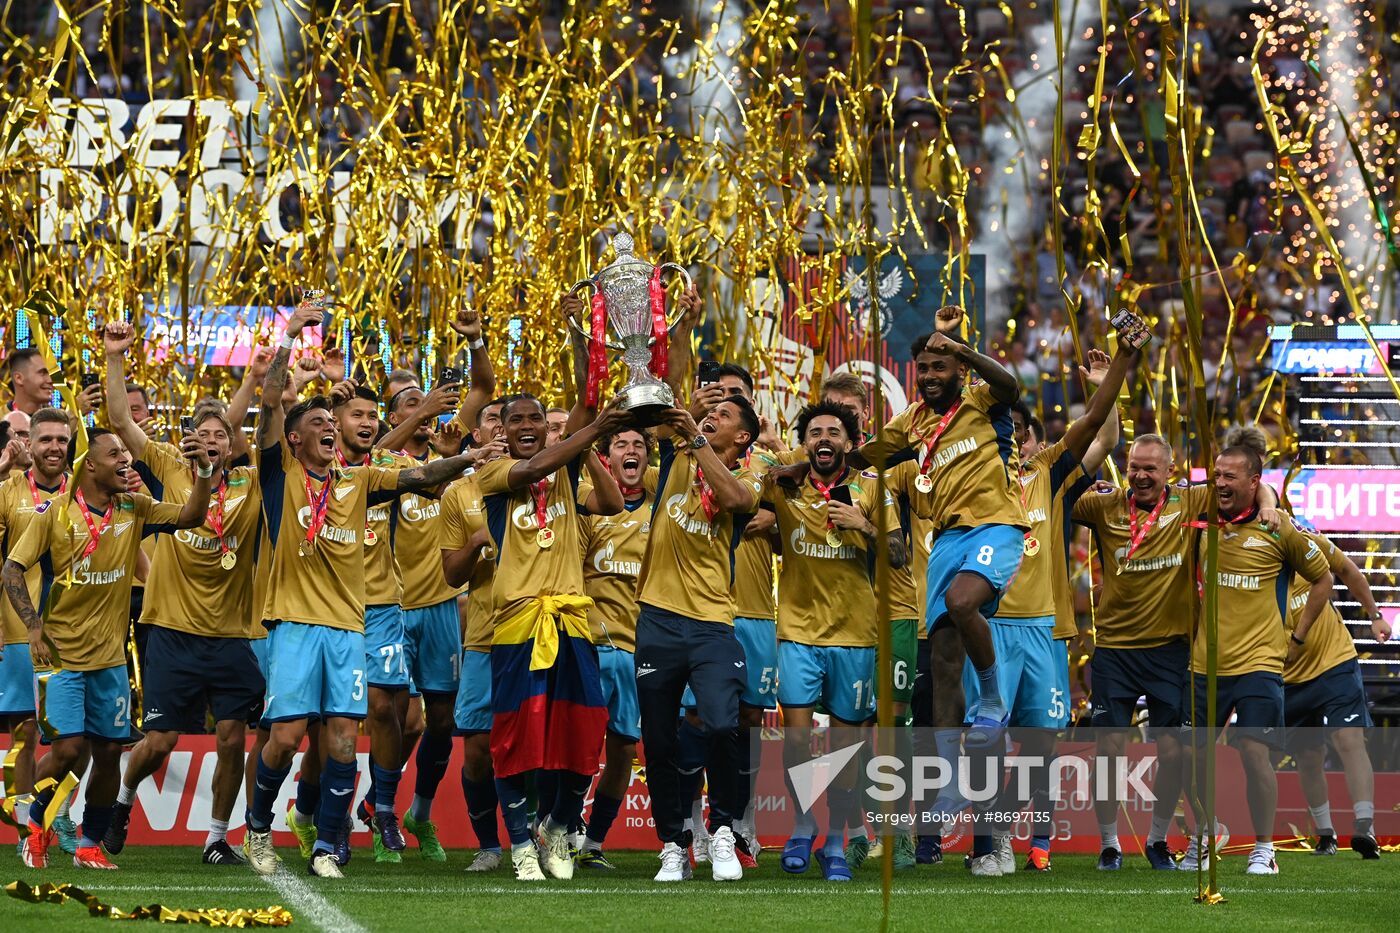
[931,441]
[34,487]
[540,493]
[340,458]
[94,531]
[1135,535]
[597,346]
[707,497]
[318,506]
[659,330]
[216,516]
[825,490]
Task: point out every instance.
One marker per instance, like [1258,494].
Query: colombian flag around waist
[546,701]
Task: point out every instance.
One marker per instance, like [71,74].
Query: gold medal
[370,537]
[302,549]
[1032,545]
[924,483]
[833,537]
[545,538]
[228,560]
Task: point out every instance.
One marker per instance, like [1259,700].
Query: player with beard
[88,542]
[685,633]
[547,705]
[20,498]
[315,513]
[827,617]
[197,656]
[1253,572]
[468,560]
[613,548]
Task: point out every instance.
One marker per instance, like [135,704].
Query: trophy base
[646,403]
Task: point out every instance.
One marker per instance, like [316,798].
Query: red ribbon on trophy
[597,348]
[659,329]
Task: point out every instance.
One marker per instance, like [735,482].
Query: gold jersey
[318,579]
[753,560]
[690,558]
[905,601]
[18,502]
[971,469]
[416,548]
[190,589]
[383,582]
[86,603]
[1329,642]
[613,549]
[1149,596]
[463,515]
[1253,577]
[1041,587]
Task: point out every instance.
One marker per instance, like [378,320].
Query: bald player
[88,543]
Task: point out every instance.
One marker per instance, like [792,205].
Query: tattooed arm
[12,576]
[270,418]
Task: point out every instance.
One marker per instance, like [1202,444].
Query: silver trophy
[625,286]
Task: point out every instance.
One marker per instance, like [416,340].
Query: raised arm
[117,338]
[1107,378]
[271,418]
[442,399]
[1003,383]
[678,347]
[730,494]
[467,324]
[606,497]
[196,507]
[242,398]
[552,459]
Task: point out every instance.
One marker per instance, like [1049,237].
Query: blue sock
[568,800]
[546,793]
[600,820]
[267,784]
[511,793]
[434,751]
[339,780]
[481,810]
[1040,842]
[308,797]
[990,705]
[384,787]
[39,805]
[95,823]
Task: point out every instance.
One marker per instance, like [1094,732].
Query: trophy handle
[685,274]
[574,289]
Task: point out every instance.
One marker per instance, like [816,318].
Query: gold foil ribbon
[234,918]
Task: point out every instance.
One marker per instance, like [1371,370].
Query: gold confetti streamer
[240,918]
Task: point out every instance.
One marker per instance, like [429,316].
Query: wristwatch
[699,441]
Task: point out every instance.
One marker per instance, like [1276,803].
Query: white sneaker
[323,865]
[701,845]
[724,861]
[1261,862]
[554,854]
[527,864]
[261,855]
[1193,858]
[986,866]
[485,861]
[1006,859]
[675,864]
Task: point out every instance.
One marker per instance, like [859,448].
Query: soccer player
[1252,575]
[548,712]
[87,541]
[827,615]
[1142,624]
[31,385]
[557,420]
[315,513]
[197,656]
[20,497]
[1034,672]
[685,630]
[614,546]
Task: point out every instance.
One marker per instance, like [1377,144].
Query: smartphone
[186,425]
[709,372]
[450,375]
[1131,328]
[841,494]
[91,379]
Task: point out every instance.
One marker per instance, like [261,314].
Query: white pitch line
[306,904]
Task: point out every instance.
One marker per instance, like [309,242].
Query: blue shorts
[759,638]
[1256,699]
[316,672]
[842,679]
[472,713]
[993,552]
[617,670]
[1118,676]
[187,674]
[96,704]
[1334,699]
[16,682]
[1027,673]
[384,647]
[431,644]
[263,653]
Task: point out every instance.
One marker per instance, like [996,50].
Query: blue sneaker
[342,852]
[386,824]
[67,833]
[1110,859]
[834,867]
[929,851]
[1161,857]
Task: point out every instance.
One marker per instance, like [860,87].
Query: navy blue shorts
[1334,699]
[1256,700]
[1118,676]
[188,674]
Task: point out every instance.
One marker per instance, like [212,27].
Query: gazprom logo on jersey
[1331,357]
[524,515]
[338,535]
